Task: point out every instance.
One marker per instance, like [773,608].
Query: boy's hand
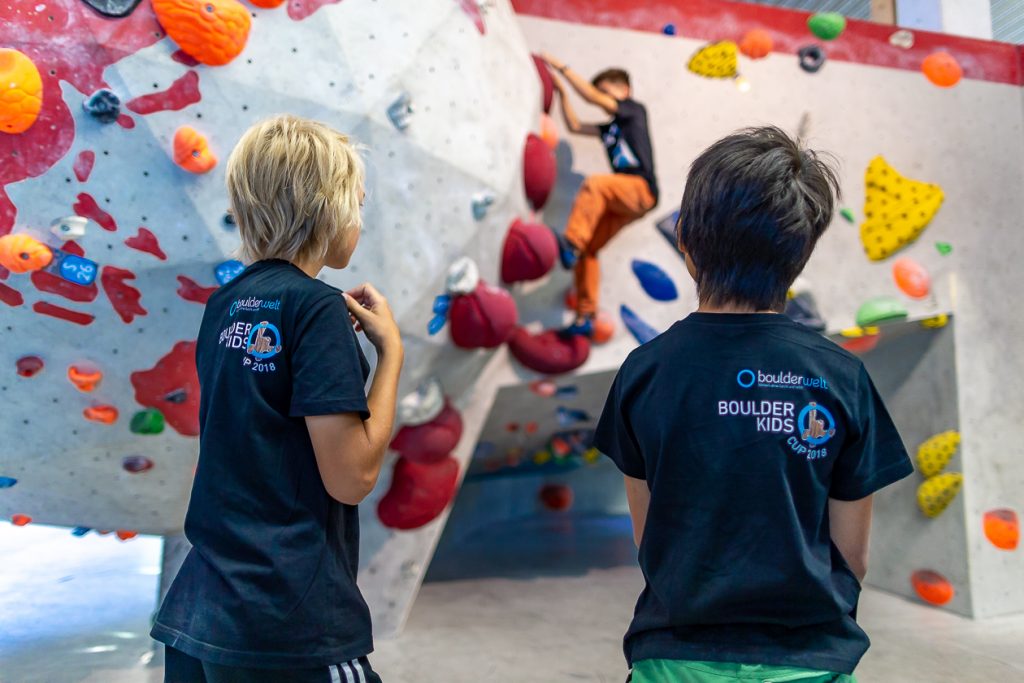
[552,61]
[373,317]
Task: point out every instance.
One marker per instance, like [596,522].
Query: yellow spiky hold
[717,60]
[896,209]
[935,453]
[934,495]
[936,321]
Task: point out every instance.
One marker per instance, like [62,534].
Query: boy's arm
[639,498]
[572,122]
[850,528]
[586,90]
[349,450]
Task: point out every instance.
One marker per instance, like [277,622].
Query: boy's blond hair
[295,187]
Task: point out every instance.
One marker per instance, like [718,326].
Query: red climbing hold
[549,352]
[483,319]
[20,520]
[146,241]
[190,290]
[529,252]
[547,84]
[136,464]
[472,10]
[182,57]
[10,296]
[431,442]
[77,317]
[861,344]
[557,497]
[539,170]
[418,493]
[123,297]
[45,281]
[181,93]
[172,387]
[932,587]
[83,164]
[86,206]
[29,366]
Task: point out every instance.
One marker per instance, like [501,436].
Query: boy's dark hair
[612,75]
[754,207]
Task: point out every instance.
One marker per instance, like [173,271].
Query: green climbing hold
[848,215]
[827,25]
[945,248]
[148,421]
[880,309]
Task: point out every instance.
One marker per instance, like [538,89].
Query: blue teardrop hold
[436,324]
[442,303]
[637,327]
[655,281]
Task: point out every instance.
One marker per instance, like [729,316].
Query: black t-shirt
[628,143]
[271,579]
[743,427]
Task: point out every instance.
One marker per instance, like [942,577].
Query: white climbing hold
[422,405]
[69,227]
[463,277]
[902,38]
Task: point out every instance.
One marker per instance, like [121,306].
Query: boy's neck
[731,308]
[310,268]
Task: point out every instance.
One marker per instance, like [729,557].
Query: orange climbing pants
[604,205]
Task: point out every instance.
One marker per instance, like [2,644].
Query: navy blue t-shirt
[743,427]
[627,141]
[271,579]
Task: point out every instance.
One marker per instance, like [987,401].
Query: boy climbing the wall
[750,444]
[609,202]
[290,442]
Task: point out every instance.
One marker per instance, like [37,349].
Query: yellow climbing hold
[591,455]
[541,457]
[935,453]
[21,91]
[896,209]
[858,331]
[934,495]
[717,60]
[936,321]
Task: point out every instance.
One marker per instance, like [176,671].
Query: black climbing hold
[103,105]
[176,396]
[812,57]
[229,219]
[113,8]
[803,309]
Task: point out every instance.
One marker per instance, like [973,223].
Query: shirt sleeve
[327,375]
[628,109]
[614,436]
[873,456]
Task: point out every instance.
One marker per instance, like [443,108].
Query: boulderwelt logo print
[748,378]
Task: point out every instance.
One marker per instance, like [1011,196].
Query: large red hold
[418,493]
[430,442]
[172,387]
[529,253]
[539,170]
[547,84]
[484,319]
[549,352]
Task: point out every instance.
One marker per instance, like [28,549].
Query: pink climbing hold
[483,319]
[83,164]
[529,252]
[547,83]
[549,352]
[29,366]
[418,493]
[539,170]
[472,10]
[430,442]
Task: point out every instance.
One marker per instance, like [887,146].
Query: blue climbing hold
[567,390]
[227,271]
[669,29]
[442,303]
[570,416]
[400,111]
[80,531]
[637,327]
[436,324]
[103,105]
[7,482]
[655,281]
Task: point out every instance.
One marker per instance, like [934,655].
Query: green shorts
[681,671]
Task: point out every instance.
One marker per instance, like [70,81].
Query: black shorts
[182,668]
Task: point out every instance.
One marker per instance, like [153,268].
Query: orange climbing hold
[756,43]
[103,414]
[1002,528]
[126,535]
[911,277]
[932,587]
[84,378]
[212,31]
[604,328]
[942,69]
[20,520]
[21,91]
[191,151]
[548,131]
[21,253]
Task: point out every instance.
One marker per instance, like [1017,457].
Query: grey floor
[540,601]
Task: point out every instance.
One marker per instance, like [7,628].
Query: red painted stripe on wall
[862,42]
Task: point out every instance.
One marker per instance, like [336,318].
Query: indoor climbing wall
[928,132]
[114,131]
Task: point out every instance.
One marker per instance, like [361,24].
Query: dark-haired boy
[608,202]
[750,444]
